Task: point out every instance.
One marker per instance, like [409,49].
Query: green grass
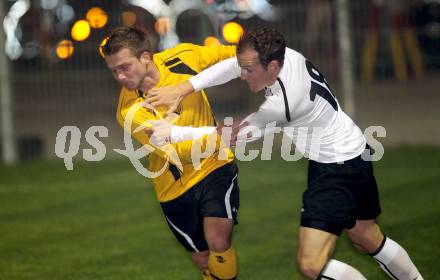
[101,220]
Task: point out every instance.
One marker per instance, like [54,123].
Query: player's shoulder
[175,51]
[294,57]
[294,66]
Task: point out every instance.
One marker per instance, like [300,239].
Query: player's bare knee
[220,244]
[366,244]
[366,237]
[309,267]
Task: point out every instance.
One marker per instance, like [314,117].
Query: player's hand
[160,133]
[235,138]
[169,96]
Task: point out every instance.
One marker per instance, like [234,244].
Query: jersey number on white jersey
[317,89]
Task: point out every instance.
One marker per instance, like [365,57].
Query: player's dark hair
[127,37]
[267,42]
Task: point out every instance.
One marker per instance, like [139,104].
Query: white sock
[336,270]
[394,260]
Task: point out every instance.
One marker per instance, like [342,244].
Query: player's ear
[273,67]
[145,57]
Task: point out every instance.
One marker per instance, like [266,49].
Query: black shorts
[217,195]
[339,194]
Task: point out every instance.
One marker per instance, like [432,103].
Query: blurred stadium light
[97,17]
[80,30]
[50,92]
[232,32]
[64,49]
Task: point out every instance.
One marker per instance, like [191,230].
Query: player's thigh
[339,194]
[185,221]
[315,247]
[219,203]
[366,235]
[220,195]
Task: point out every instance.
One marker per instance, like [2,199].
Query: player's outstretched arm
[217,74]
[163,132]
[169,96]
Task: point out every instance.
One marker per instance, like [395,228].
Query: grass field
[101,221]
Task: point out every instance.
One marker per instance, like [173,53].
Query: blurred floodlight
[97,17]
[64,49]
[48,4]
[65,13]
[101,46]
[162,25]
[232,32]
[13,47]
[211,41]
[80,30]
[128,18]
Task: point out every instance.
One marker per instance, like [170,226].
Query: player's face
[127,69]
[255,75]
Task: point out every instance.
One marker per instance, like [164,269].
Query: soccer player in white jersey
[341,193]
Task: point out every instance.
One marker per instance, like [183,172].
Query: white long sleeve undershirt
[217,74]
[184,133]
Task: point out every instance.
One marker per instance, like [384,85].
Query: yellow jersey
[177,65]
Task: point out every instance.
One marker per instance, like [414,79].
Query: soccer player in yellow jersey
[200,204]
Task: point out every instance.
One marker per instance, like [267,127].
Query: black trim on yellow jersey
[176,65]
[168,63]
[175,171]
[177,53]
[182,68]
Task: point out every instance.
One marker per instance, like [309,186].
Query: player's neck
[152,77]
[274,77]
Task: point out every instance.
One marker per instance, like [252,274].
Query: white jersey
[302,104]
